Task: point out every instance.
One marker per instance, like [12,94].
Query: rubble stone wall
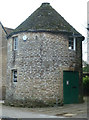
[40,61]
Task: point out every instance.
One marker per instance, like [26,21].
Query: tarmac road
[16,112]
[66,111]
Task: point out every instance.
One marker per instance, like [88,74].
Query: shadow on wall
[3,92]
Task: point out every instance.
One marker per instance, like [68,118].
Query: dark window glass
[14,75]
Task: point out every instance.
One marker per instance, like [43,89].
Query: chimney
[45,4]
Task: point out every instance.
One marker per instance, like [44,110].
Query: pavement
[66,111]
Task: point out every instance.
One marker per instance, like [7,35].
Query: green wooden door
[70,87]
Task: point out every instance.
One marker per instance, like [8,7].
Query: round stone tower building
[44,60]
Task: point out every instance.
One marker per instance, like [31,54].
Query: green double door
[70,87]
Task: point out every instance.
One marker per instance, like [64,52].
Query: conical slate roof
[45,18]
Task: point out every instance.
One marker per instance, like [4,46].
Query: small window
[72,43]
[14,75]
[15,43]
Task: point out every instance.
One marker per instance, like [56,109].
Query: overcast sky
[14,12]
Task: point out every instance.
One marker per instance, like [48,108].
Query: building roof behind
[45,18]
[8,30]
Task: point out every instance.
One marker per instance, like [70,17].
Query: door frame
[61,69]
[74,73]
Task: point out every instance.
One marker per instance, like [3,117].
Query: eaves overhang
[48,31]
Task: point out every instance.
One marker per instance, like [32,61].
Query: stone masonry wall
[3,62]
[0,61]
[39,61]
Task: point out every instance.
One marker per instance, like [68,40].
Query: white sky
[14,12]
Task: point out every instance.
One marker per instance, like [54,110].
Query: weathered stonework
[40,61]
[3,61]
[0,62]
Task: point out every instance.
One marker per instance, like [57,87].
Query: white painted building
[88,32]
